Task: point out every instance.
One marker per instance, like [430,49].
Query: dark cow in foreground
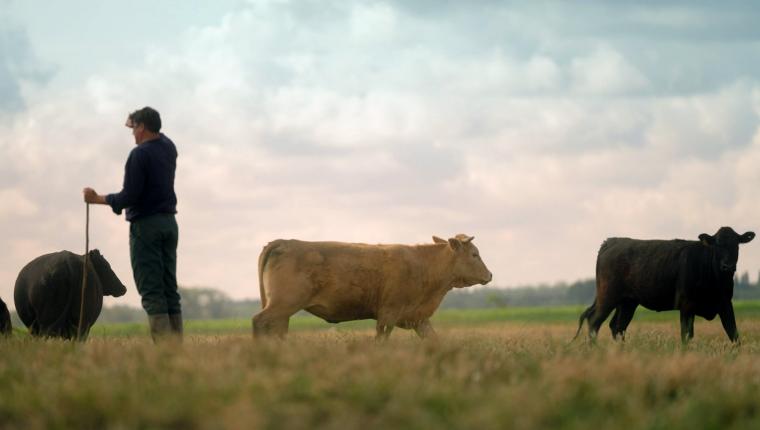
[5,319]
[48,293]
[397,285]
[695,277]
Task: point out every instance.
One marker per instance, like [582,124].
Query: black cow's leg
[687,326]
[624,312]
[595,320]
[728,320]
[614,322]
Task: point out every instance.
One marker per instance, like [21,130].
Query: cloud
[538,129]
[18,66]
[606,72]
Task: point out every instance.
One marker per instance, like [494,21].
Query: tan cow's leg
[384,330]
[425,330]
[286,295]
[271,322]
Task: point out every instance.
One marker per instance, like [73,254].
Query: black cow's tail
[263,258]
[584,316]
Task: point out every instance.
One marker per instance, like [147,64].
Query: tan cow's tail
[263,258]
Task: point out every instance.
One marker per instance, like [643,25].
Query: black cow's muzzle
[729,268]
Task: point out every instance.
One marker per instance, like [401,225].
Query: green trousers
[153,251]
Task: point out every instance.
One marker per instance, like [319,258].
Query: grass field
[503,368]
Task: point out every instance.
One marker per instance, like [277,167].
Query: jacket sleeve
[134,182]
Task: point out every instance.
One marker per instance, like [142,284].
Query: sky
[540,128]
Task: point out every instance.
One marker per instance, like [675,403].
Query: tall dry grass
[499,376]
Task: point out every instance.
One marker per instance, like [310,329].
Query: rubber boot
[160,327]
[176,323]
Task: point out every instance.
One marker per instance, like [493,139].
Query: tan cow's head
[467,265]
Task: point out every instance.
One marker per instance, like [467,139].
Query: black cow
[5,319]
[48,293]
[695,277]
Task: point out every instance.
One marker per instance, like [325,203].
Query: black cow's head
[725,244]
[111,284]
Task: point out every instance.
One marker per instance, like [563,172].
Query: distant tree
[581,292]
[497,299]
[204,303]
[121,314]
[742,282]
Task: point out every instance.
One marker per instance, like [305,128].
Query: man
[149,198]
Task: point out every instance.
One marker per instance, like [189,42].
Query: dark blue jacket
[148,180]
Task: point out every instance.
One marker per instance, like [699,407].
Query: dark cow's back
[48,293]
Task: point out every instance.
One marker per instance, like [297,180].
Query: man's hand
[90,196]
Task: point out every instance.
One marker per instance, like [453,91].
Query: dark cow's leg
[687,326]
[614,322]
[728,320]
[596,319]
[425,330]
[34,328]
[623,316]
[606,301]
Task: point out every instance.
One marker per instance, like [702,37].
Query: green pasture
[443,318]
[509,368]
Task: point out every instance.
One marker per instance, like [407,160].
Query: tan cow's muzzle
[490,277]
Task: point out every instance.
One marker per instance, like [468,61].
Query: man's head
[145,124]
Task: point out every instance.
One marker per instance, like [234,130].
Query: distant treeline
[578,293]
[209,303]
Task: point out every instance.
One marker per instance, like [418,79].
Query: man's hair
[148,117]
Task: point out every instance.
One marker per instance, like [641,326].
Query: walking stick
[84,270]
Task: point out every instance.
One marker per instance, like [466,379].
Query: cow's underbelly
[342,304]
[359,308]
[707,308]
[338,313]
[653,297]
[658,306]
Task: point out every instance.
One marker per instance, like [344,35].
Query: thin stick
[84,271]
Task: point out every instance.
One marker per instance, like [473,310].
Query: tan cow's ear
[464,238]
[437,239]
[455,243]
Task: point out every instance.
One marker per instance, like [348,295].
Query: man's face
[137,130]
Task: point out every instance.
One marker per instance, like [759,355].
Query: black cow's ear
[706,239]
[455,243]
[437,239]
[747,237]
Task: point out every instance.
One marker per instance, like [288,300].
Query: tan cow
[397,285]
